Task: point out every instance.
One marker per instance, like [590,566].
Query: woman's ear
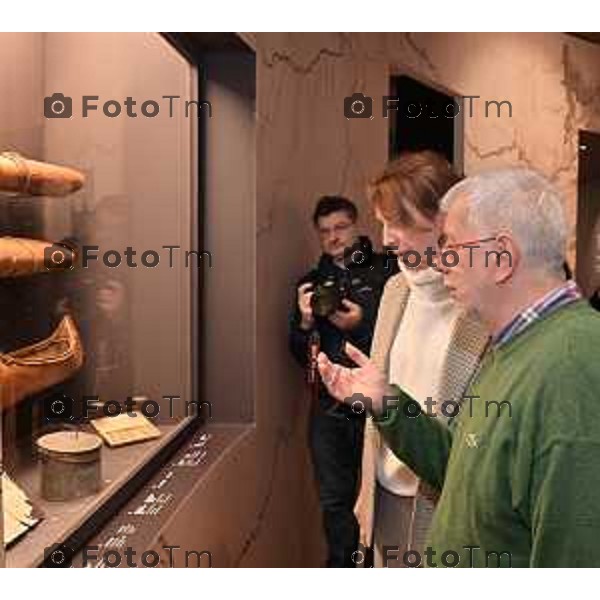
[438,221]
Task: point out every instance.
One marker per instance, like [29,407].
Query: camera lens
[57,257]
[358,107]
[358,257]
[358,407]
[60,109]
[326,299]
[58,557]
[58,407]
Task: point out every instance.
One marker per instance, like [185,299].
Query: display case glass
[100,266]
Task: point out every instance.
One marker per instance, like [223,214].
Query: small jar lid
[69,442]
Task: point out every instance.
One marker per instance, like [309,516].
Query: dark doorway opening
[424,118]
[588,213]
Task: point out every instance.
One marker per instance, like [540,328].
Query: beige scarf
[467,343]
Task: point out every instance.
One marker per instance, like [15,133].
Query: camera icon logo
[358,106]
[359,256]
[59,257]
[58,556]
[58,407]
[58,106]
[361,556]
[359,405]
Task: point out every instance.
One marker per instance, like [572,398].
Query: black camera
[358,106]
[328,295]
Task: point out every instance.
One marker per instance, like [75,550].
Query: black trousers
[336,443]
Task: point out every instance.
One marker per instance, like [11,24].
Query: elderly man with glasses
[517,468]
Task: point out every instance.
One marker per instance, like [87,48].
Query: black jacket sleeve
[298,337]
[361,336]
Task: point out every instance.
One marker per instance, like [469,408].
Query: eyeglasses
[445,246]
[339,228]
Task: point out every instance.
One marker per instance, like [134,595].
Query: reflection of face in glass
[110,298]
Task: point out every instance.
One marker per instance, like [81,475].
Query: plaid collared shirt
[560,296]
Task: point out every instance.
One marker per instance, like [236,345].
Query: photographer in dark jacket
[339,300]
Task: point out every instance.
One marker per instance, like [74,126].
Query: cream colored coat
[467,343]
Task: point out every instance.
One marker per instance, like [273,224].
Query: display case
[101,267]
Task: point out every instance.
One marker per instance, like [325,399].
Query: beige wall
[305,148]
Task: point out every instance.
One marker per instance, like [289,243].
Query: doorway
[587,268]
[425,118]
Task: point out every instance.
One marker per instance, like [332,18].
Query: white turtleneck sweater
[416,360]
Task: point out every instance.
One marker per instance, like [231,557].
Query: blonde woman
[423,341]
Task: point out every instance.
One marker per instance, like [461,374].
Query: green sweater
[519,481]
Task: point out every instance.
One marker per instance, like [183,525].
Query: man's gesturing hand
[366,379]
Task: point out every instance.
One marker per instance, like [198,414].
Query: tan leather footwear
[24,177]
[34,368]
[22,256]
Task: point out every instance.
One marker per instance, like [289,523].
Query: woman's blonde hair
[414,179]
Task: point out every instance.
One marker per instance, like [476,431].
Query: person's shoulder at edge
[578,340]
[574,328]
[568,374]
[560,335]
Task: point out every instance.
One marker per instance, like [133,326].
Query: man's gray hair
[523,202]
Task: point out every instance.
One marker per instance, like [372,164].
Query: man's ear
[439,220]
[509,257]
[438,226]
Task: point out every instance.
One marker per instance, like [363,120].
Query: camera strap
[314,347]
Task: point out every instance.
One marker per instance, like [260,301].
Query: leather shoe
[34,368]
[24,177]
